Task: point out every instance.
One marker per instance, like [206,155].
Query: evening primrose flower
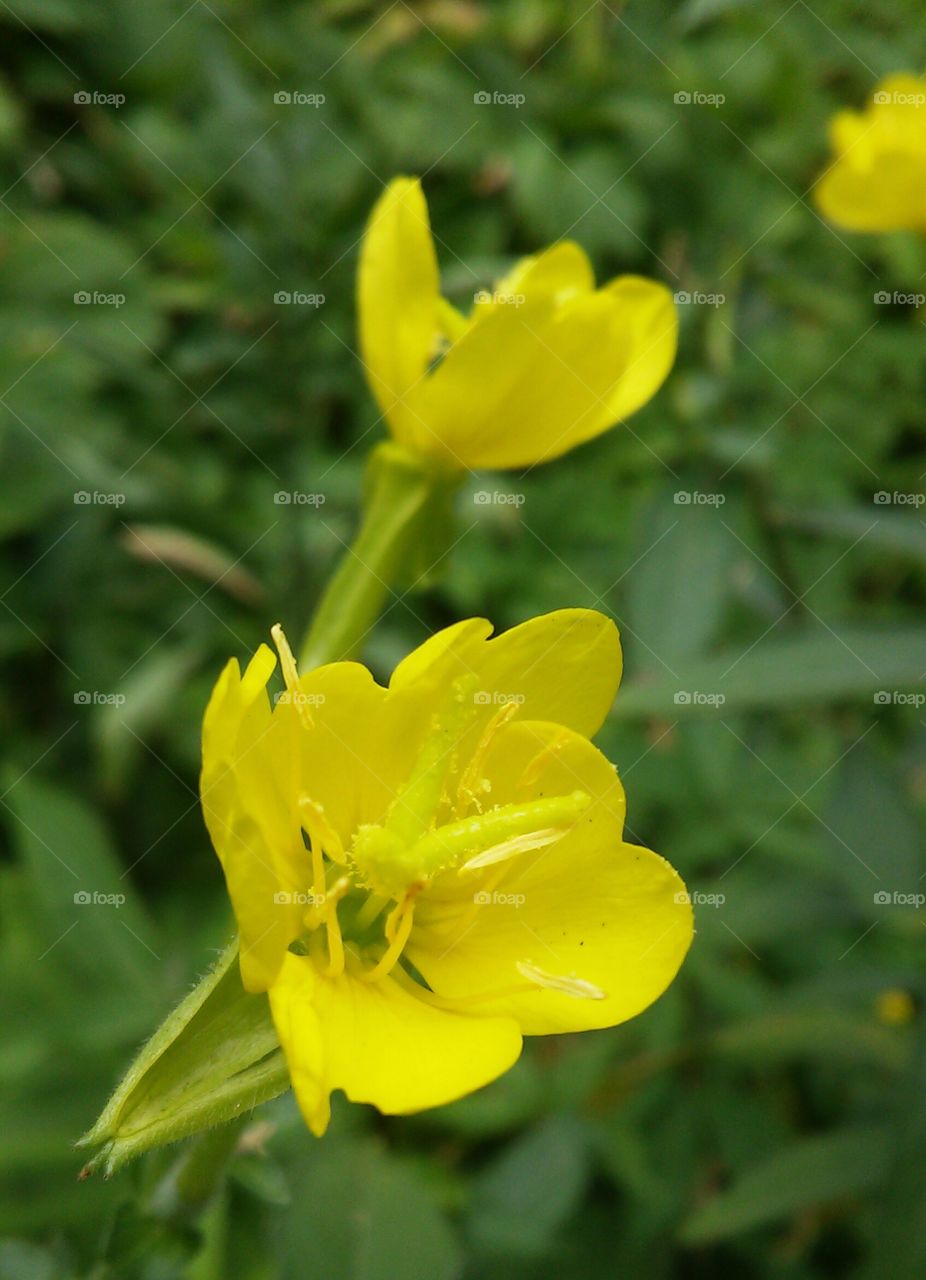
[877,180]
[423,874]
[539,364]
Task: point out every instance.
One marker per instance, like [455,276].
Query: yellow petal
[397,298]
[877,181]
[645,324]
[563,666]
[522,385]
[250,813]
[562,271]
[611,916]
[552,370]
[590,912]
[380,1044]
[887,194]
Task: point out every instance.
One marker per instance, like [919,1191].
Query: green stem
[406,498]
[204,1167]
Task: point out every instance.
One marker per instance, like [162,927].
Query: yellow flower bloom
[424,873]
[877,180]
[895,1007]
[539,365]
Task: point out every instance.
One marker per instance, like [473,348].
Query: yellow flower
[877,180]
[424,873]
[895,1007]
[540,364]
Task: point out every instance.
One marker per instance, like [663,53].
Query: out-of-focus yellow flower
[894,1007]
[540,364]
[424,873]
[877,180]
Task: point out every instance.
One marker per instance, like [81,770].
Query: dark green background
[760,1120]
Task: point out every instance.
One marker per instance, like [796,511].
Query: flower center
[363,898]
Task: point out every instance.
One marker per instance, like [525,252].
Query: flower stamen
[567,984]
[399,925]
[291,676]
[470,778]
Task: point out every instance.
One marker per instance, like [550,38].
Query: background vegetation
[767,1117]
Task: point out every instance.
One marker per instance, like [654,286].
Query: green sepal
[213,1059]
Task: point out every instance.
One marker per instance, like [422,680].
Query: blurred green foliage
[761,1120]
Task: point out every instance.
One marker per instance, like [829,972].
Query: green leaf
[361,1212]
[874,835]
[900,1228]
[91,912]
[877,527]
[525,1196]
[814,665]
[810,1173]
[684,555]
